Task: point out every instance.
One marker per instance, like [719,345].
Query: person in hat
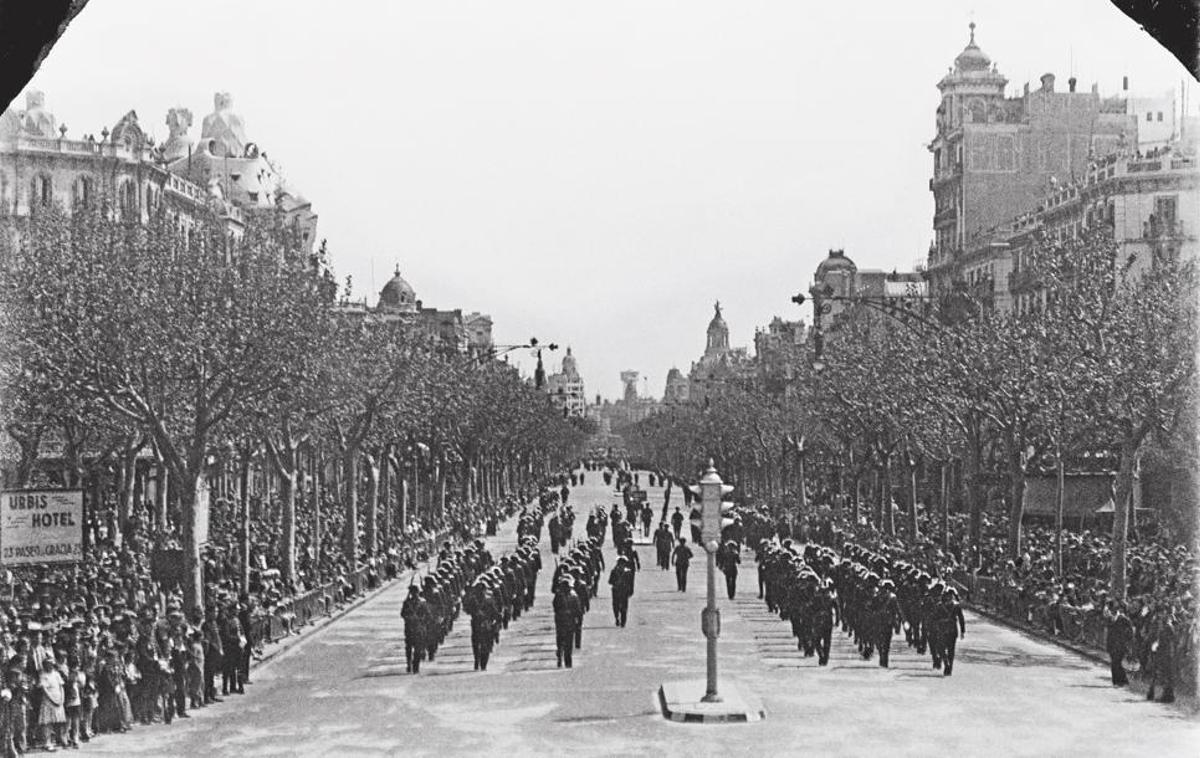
[52,715]
[728,559]
[951,625]
[621,581]
[681,558]
[567,615]
[417,623]
[1117,641]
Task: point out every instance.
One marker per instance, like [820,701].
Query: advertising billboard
[41,526]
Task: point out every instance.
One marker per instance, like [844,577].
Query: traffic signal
[715,512]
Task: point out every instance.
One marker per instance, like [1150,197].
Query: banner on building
[41,526]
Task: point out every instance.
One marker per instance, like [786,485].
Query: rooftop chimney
[1047,82]
[1125,83]
[1071,84]
[1095,88]
[1027,89]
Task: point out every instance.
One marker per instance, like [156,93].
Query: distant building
[993,155]
[878,290]
[448,330]
[720,363]
[566,388]
[676,391]
[777,352]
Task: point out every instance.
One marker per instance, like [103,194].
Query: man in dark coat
[663,541]
[677,522]
[951,626]
[567,613]
[728,558]
[417,622]
[681,558]
[621,581]
[1120,634]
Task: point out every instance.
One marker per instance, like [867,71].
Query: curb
[683,714]
[305,632]
[1183,701]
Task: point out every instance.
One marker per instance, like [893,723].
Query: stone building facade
[994,155]
[566,388]
[720,363]
[126,171]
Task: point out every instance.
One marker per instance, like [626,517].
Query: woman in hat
[52,716]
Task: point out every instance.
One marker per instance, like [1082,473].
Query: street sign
[41,526]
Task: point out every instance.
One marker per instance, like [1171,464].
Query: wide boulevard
[343,690]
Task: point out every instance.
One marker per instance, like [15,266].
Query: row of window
[83,193]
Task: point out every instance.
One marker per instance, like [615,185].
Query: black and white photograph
[640,378]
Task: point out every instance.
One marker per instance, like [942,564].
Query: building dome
[398,294]
[835,262]
[224,129]
[569,368]
[718,332]
[972,58]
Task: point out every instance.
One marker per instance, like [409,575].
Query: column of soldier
[872,598]
[492,593]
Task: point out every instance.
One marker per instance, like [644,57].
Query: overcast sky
[593,174]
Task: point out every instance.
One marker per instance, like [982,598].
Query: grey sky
[593,174]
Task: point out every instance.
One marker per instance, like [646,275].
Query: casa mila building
[223,173]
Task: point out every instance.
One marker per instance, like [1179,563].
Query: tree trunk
[889,514]
[244,518]
[856,498]
[877,498]
[914,526]
[385,498]
[191,503]
[1122,504]
[350,530]
[318,480]
[973,481]
[403,493]
[288,481]
[945,505]
[162,484]
[371,515]
[125,498]
[1016,497]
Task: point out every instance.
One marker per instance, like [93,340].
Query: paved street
[344,691]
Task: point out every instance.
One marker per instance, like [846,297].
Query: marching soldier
[415,612]
[951,626]
[567,612]
[621,581]
[681,558]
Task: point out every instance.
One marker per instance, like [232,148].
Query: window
[1160,115]
[1149,116]
[84,193]
[127,199]
[43,190]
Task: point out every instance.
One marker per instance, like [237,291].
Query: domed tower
[570,368]
[718,333]
[397,296]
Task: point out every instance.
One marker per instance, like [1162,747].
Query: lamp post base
[688,702]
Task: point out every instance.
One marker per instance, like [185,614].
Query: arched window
[978,111]
[127,199]
[43,190]
[84,192]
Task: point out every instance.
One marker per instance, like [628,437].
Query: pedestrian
[72,700]
[621,581]
[663,541]
[952,626]
[567,612]
[52,715]
[677,522]
[728,558]
[681,558]
[1120,634]
[415,612]
[647,518]
[1162,656]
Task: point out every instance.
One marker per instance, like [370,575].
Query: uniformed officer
[567,612]
[415,612]
[951,625]
[682,557]
[621,581]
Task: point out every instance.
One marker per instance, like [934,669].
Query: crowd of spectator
[1160,598]
[104,644]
